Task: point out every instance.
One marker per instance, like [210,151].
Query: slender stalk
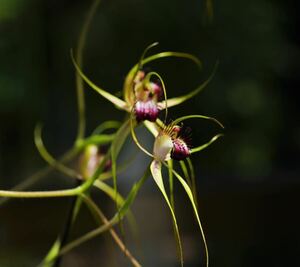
[79,81]
[193,178]
[40,174]
[72,214]
[171,183]
[41,194]
[94,208]
[89,235]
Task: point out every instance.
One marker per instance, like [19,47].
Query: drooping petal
[155,168]
[190,195]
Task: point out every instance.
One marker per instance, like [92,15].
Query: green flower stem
[101,217]
[58,193]
[79,81]
[40,174]
[41,194]
[89,235]
[116,218]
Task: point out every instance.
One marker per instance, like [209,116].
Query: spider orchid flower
[141,93]
[173,142]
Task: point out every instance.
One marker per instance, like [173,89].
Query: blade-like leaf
[157,176]
[113,99]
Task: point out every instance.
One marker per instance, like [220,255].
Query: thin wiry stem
[40,174]
[41,194]
[79,80]
[94,208]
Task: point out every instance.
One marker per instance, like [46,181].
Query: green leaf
[113,99]
[180,99]
[157,176]
[190,195]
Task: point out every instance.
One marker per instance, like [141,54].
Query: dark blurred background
[248,181]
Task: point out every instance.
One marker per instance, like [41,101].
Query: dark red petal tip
[180,150]
[146,110]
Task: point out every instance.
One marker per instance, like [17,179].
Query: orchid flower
[173,142]
[140,92]
[142,96]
